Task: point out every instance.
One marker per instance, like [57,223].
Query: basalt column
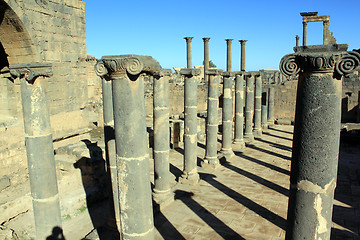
[239,110]
[188,52]
[264,118]
[190,174]
[271,105]
[242,58]
[132,155]
[316,136]
[206,58]
[249,108]
[110,147]
[228,55]
[257,115]
[211,158]
[162,192]
[39,146]
[227,116]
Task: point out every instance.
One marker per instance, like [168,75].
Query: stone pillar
[39,146]
[297,40]
[257,115]
[190,174]
[211,158]
[188,51]
[264,118]
[239,110]
[249,107]
[271,105]
[326,32]
[206,58]
[228,55]
[304,33]
[110,146]
[132,154]
[242,59]
[162,192]
[316,136]
[227,116]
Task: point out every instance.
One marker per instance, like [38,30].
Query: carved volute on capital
[124,65]
[331,59]
[31,71]
[214,71]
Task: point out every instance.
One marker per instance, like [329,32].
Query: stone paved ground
[246,198]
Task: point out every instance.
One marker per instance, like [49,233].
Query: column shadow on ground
[182,152]
[268,152]
[215,223]
[265,164]
[258,179]
[277,136]
[165,228]
[253,206]
[276,145]
[279,130]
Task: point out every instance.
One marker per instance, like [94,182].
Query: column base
[189,178]
[162,199]
[240,144]
[257,133]
[249,138]
[264,128]
[227,154]
[210,163]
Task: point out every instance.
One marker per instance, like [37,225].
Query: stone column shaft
[271,105]
[39,146]
[206,58]
[211,158]
[188,52]
[249,108]
[132,154]
[228,55]
[316,136]
[190,174]
[264,117]
[257,115]
[325,32]
[227,117]
[242,59]
[162,191]
[110,146]
[297,40]
[304,33]
[239,111]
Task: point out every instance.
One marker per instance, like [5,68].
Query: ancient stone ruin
[120,148]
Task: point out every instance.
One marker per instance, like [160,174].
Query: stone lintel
[253,73]
[31,71]
[321,48]
[214,71]
[190,72]
[165,72]
[239,73]
[228,74]
[127,64]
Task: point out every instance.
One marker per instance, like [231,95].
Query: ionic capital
[214,72]
[242,42]
[228,74]
[239,73]
[127,65]
[31,71]
[206,39]
[320,59]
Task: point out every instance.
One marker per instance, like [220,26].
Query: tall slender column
[271,105]
[257,114]
[206,58]
[190,174]
[228,55]
[304,33]
[110,147]
[132,154]
[39,146]
[162,191]
[188,51]
[326,32]
[211,158]
[239,110]
[249,107]
[264,120]
[316,136]
[227,116]
[242,59]
[297,40]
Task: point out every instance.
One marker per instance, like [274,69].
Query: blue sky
[157,28]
